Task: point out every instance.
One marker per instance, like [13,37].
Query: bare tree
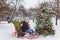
[55,7]
[3,9]
[22,11]
[7,9]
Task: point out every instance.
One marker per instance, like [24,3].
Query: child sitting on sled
[17,24]
[25,28]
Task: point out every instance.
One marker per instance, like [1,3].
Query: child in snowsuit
[23,29]
[17,24]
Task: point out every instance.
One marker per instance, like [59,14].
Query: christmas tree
[44,25]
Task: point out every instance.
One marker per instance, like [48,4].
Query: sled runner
[27,35]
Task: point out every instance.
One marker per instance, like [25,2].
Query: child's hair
[16,20]
[27,20]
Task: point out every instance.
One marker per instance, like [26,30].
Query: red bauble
[42,30]
[44,22]
[42,16]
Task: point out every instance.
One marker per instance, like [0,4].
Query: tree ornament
[42,30]
[42,16]
[44,22]
[51,30]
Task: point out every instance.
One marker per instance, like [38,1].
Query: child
[25,29]
[17,24]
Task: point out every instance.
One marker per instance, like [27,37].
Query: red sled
[14,33]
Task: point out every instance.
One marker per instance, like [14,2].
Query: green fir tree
[43,21]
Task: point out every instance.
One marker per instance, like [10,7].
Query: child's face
[27,20]
[16,20]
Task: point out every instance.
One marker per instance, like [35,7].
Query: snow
[6,30]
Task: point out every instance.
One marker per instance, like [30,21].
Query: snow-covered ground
[6,31]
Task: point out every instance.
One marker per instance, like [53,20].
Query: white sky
[30,3]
